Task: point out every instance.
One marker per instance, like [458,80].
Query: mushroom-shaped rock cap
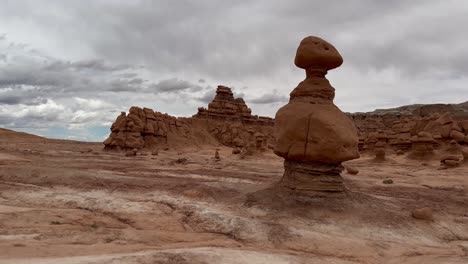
[316,53]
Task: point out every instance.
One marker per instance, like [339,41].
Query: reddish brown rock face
[379,151]
[317,54]
[227,120]
[422,146]
[402,126]
[315,132]
[312,134]
[144,128]
[227,108]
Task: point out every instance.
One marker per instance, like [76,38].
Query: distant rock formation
[227,120]
[402,129]
[144,128]
[459,111]
[422,146]
[230,121]
[225,107]
[312,134]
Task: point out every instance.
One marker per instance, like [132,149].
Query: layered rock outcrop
[231,122]
[144,128]
[312,134]
[227,120]
[225,107]
[402,128]
[422,146]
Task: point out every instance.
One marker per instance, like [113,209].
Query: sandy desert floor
[70,202]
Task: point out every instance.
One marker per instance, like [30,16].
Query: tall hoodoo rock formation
[227,108]
[312,134]
[422,146]
[230,121]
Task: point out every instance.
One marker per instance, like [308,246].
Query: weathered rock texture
[227,120]
[225,107]
[144,128]
[230,122]
[402,126]
[422,146]
[312,134]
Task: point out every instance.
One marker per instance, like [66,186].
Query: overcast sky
[68,68]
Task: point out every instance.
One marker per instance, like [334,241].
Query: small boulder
[464,152]
[451,163]
[380,154]
[423,214]
[449,157]
[453,147]
[236,150]
[464,125]
[131,152]
[352,170]
[216,156]
[457,136]
[155,152]
[425,135]
[181,161]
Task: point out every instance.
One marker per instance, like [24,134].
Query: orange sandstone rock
[312,134]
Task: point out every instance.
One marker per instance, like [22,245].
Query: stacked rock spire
[313,135]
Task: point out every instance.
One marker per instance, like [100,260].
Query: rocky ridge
[400,129]
[227,121]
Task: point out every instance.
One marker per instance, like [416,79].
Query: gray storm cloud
[166,54]
[269,98]
[175,85]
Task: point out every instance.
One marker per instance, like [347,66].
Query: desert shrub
[387,181]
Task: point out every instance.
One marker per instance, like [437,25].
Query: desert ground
[71,202]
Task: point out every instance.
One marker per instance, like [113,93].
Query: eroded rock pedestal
[312,134]
[422,146]
[312,178]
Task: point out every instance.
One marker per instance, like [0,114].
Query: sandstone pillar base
[312,178]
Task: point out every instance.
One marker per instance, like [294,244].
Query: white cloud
[92,104]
